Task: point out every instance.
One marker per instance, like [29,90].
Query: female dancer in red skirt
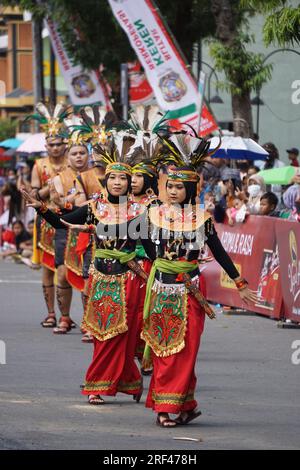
[175,305]
[112,309]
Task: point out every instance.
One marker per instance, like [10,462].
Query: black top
[84,215]
[24,236]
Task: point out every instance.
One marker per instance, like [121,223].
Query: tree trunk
[226,33]
[242,115]
[39,91]
[53,94]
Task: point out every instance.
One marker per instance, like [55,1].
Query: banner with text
[141,92]
[84,87]
[288,239]
[174,87]
[253,248]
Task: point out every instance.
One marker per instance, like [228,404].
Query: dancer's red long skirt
[113,368]
[173,381]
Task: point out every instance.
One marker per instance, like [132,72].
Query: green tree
[244,70]
[282,22]
[7,128]
[93,36]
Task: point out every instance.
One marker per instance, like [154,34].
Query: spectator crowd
[231,191]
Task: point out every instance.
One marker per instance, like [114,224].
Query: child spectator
[237,213]
[268,204]
[20,237]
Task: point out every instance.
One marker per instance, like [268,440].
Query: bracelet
[241,284]
[90,228]
[68,206]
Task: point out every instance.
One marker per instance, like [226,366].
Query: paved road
[248,389]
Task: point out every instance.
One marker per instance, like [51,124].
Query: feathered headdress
[51,123]
[93,125]
[75,136]
[119,154]
[147,123]
[186,150]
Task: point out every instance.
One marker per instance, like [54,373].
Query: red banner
[207,122]
[253,249]
[288,238]
[140,91]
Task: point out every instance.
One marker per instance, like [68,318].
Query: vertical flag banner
[140,91]
[174,87]
[207,122]
[84,86]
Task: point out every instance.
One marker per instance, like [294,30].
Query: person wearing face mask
[256,188]
[175,305]
[111,311]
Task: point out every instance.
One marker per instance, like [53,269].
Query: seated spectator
[20,236]
[256,188]
[26,246]
[268,204]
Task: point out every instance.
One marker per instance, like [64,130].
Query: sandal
[137,396]
[95,400]
[190,415]
[64,326]
[166,422]
[73,324]
[50,321]
[87,338]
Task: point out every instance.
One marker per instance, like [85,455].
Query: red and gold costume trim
[165,328]
[73,261]
[105,313]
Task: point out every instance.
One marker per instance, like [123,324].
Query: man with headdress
[43,173]
[67,262]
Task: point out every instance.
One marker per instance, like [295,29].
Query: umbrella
[12,143]
[35,143]
[9,152]
[238,148]
[281,175]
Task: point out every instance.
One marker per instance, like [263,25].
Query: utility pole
[53,94]
[124,91]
